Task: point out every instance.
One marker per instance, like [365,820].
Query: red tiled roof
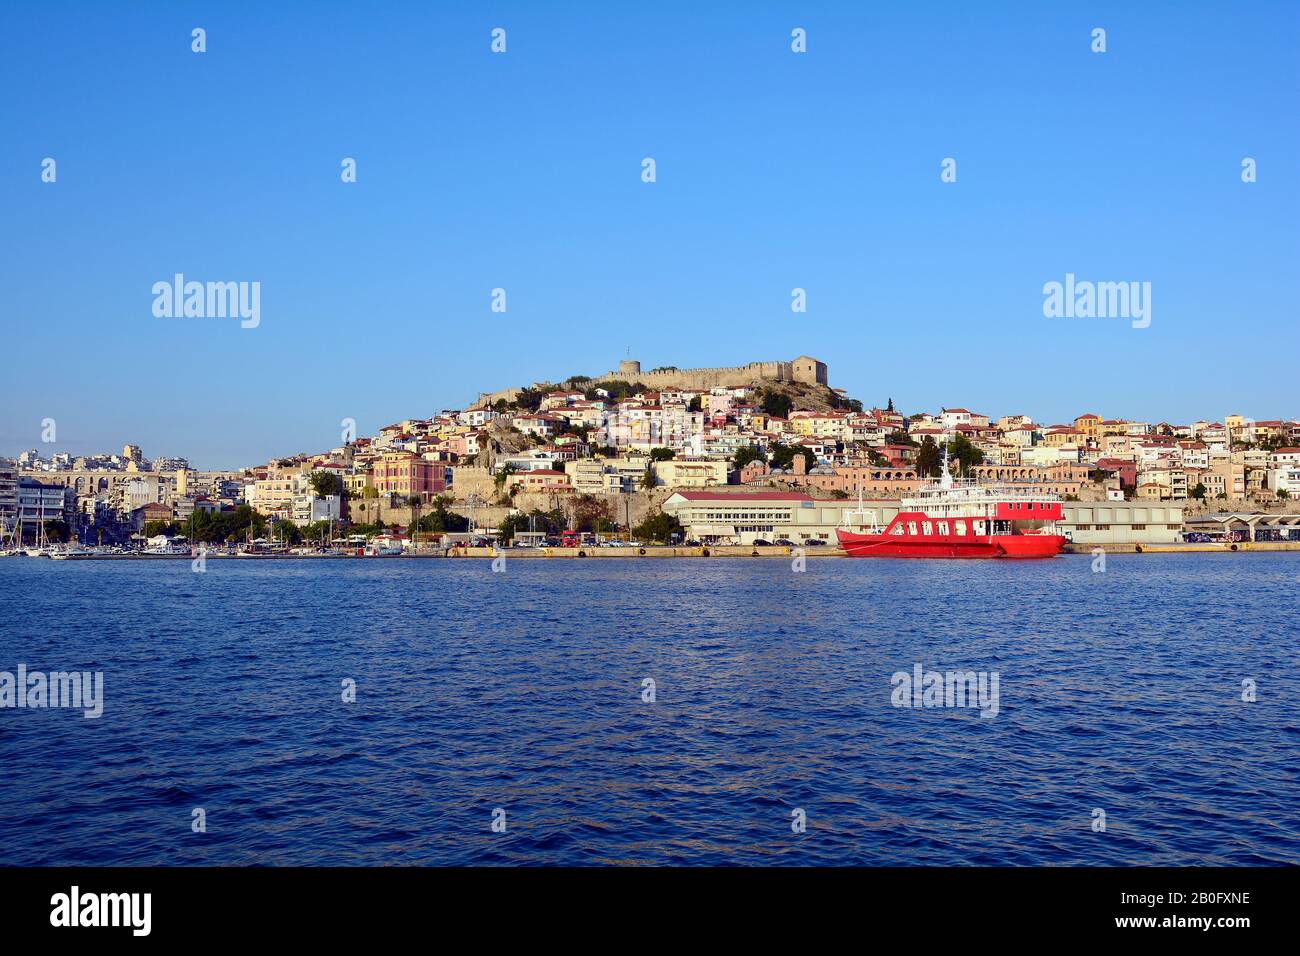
[744,496]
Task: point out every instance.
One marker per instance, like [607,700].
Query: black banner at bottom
[336,905]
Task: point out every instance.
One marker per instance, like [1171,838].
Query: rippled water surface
[1119,691]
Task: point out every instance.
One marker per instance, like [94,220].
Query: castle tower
[629,367]
[809,371]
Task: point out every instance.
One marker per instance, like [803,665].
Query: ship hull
[1015,546]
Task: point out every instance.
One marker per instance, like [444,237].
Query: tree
[777,404]
[617,389]
[747,454]
[783,456]
[928,459]
[661,454]
[529,399]
[287,531]
[890,406]
[1283,493]
[317,532]
[658,527]
[57,531]
[966,454]
[548,522]
[591,514]
[694,405]
[900,438]
[1199,491]
[440,520]
[323,484]
[502,476]
[648,479]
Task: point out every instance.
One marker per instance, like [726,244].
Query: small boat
[72,552]
[172,548]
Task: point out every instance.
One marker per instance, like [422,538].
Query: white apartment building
[308,509]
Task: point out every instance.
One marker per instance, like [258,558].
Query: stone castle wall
[732,377]
[805,370]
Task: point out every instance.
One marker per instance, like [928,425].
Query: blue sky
[522,171]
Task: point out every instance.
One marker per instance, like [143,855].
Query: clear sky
[522,170]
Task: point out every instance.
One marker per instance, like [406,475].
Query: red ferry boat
[954,518]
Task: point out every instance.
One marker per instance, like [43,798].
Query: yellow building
[1057,437]
[691,473]
[1090,426]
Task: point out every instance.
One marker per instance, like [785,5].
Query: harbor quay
[657,551]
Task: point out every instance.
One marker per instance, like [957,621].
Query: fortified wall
[805,370]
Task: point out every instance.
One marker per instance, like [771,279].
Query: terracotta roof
[743,496]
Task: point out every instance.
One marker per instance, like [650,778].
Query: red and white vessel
[957,518]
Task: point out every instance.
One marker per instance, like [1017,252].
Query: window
[911,527]
[961,528]
[943,527]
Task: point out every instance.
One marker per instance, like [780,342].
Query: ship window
[943,527]
[927,528]
[961,527]
[898,528]
[911,527]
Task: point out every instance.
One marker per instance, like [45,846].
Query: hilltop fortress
[805,370]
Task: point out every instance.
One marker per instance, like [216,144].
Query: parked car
[1196,537]
[760,542]
[615,543]
[692,543]
[813,541]
[784,542]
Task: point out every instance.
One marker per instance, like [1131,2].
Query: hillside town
[768,452]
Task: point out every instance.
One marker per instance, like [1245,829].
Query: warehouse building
[1122,522]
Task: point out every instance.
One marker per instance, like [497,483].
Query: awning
[713,530]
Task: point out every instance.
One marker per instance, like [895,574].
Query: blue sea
[522,698]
